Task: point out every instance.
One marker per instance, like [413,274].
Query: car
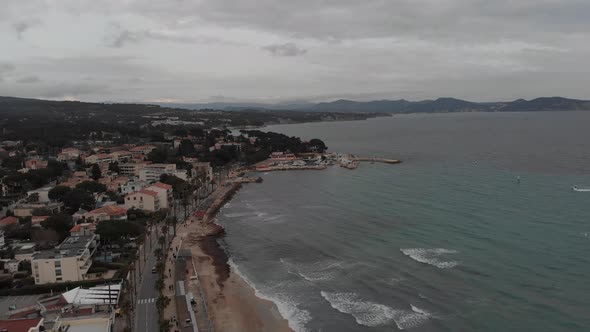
[154,269]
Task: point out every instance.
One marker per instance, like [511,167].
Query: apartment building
[152,172]
[164,193]
[144,200]
[69,261]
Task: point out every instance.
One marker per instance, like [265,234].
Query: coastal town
[118,231]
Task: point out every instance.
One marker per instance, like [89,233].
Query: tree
[25,266]
[114,167]
[79,198]
[60,223]
[116,230]
[58,193]
[158,155]
[186,148]
[92,187]
[317,145]
[96,173]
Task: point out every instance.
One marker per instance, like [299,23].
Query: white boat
[575,188]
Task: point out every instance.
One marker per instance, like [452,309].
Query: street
[146,313]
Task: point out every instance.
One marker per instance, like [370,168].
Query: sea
[477,230]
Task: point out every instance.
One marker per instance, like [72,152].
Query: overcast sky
[284,50]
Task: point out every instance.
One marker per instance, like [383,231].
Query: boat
[575,188]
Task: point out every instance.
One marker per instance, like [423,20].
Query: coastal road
[146,314]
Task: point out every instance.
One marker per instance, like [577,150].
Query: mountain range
[440,105]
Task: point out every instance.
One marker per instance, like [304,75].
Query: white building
[152,172]
[43,193]
[164,193]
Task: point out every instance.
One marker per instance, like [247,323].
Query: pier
[377,160]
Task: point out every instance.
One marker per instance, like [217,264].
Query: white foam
[374,314]
[288,308]
[314,272]
[236,215]
[431,256]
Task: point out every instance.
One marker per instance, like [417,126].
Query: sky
[294,50]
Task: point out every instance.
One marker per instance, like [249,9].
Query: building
[26,209]
[98,158]
[11,265]
[8,221]
[153,172]
[69,261]
[37,220]
[98,295]
[24,251]
[113,182]
[202,168]
[43,193]
[109,212]
[141,151]
[35,163]
[121,156]
[132,186]
[131,169]
[22,325]
[68,154]
[164,193]
[83,229]
[144,200]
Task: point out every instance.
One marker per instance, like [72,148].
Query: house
[26,209]
[109,212]
[78,215]
[113,183]
[11,265]
[164,193]
[69,261]
[98,158]
[83,229]
[68,154]
[132,186]
[43,193]
[140,151]
[144,200]
[22,325]
[153,172]
[8,221]
[36,221]
[35,163]
[131,169]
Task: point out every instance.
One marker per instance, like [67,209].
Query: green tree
[92,187]
[158,155]
[79,198]
[114,167]
[317,145]
[96,173]
[113,231]
[58,193]
[60,223]
[186,148]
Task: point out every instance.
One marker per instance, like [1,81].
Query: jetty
[289,168]
[377,160]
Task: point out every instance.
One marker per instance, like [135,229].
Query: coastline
[233,303]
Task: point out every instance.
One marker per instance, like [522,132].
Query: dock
[377,160]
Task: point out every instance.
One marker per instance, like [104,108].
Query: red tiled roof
[148,192]
[19,325]
[9,221]
[110,210]
[142,147]
[162,185]
[24,314]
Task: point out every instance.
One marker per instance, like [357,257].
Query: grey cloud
[287,49]
[126,36]
[22,26]
[28,79]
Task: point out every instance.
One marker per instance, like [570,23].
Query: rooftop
[19,325]
[71,247]
[110,210]
[162,185]
[146,192]
[9,221]
[103,294]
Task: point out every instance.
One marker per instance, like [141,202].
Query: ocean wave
[373,314]
[314,272]
[287,306]
[431,256]
[237,214]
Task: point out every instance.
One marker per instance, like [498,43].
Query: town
[88,234]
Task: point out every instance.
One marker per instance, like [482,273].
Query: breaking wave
[375,314]
[431,256]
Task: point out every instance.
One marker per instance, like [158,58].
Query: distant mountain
[441,105]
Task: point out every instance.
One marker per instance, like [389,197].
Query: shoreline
[234,304]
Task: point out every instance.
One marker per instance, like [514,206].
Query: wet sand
[232,304]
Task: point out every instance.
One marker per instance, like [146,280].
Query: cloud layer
[278,50]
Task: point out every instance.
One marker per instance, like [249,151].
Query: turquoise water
[446,241]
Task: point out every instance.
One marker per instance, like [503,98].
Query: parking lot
[21,302]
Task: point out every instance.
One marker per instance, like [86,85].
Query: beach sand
[232,304]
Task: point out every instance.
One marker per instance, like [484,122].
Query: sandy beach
[232,303]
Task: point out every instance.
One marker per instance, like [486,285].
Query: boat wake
[373,314]
[575,188]
[431,256]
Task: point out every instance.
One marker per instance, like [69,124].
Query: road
[146,314]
